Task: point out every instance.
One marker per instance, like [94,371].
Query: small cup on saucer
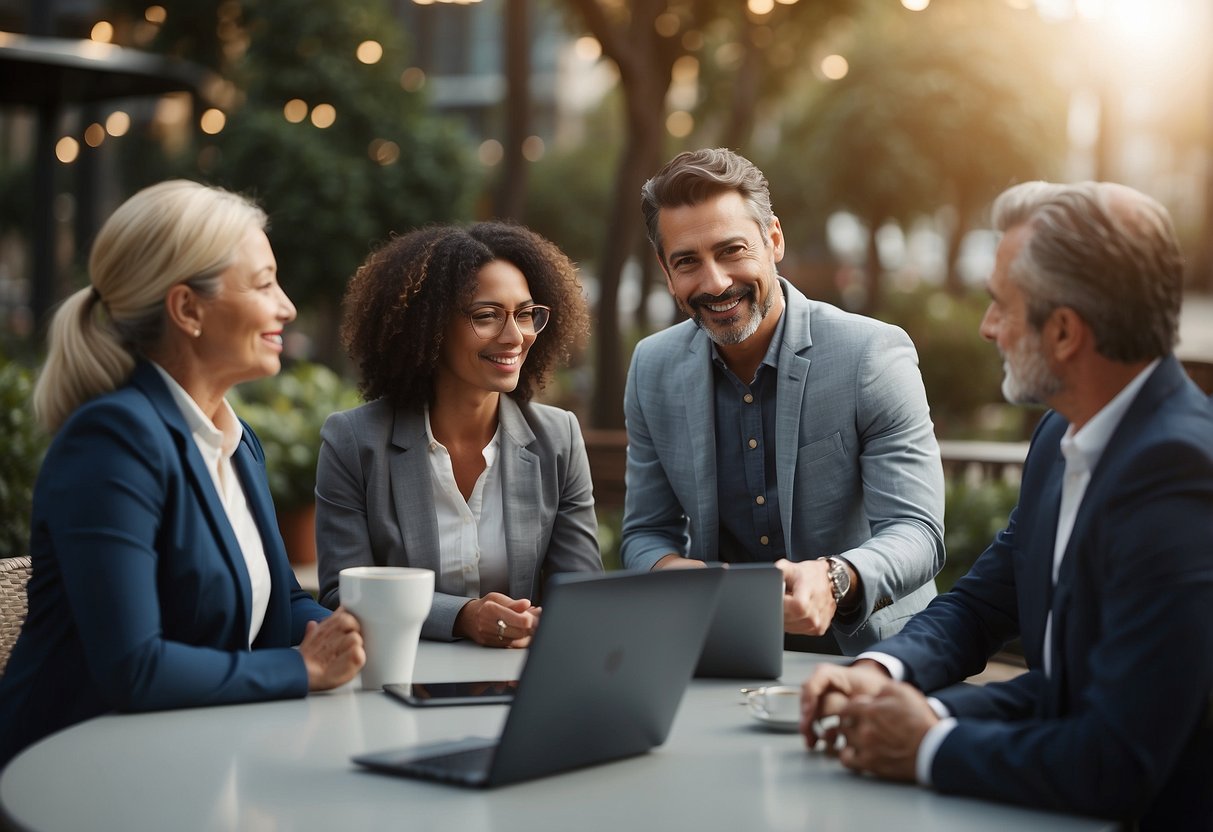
[776,706]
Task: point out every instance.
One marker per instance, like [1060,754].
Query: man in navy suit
[1105,568]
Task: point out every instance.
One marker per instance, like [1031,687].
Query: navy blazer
[139,597]
[1122,728]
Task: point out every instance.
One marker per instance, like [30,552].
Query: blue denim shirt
[750,529]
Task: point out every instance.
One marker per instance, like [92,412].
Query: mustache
[725,297]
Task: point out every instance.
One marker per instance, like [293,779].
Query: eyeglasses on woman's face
[489,321]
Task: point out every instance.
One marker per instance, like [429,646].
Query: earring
[197,333]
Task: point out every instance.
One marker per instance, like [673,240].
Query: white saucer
[771,724]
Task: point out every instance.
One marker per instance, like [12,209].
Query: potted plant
[286,412]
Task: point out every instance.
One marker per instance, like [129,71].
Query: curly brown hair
[402,299]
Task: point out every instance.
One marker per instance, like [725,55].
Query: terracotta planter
[298,529]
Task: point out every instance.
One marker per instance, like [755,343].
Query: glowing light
[533,148]
[679,124]
[369,51]
[490,152]
[155,14]
[835,67]
[94,135]
[383,152]
[760,7]
[295,110]
[212,121]
[685,70]
[1149,25]
[412,79]
[117,123]
[692,41]
[67,149]
[587,48]
[103,32]
[323,115]
[915,5]
[667,24]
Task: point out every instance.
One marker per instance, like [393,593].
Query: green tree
[333,192]
[645,39]
[939,110]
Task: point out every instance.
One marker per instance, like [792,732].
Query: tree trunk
[511,193]
[745,94]
[639,160]
[645,60]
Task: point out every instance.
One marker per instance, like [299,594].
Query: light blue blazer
[858,466]
[375,500]
[139,597]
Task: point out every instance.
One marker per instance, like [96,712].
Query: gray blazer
[858,466]
[374,499]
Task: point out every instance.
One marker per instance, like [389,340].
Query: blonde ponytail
[85,359]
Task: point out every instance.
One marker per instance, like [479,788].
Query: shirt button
[761,500]
[753,443]
[747,398]
[764,540]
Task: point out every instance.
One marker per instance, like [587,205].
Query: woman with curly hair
[451,466]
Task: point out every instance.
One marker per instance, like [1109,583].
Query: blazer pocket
[820,449]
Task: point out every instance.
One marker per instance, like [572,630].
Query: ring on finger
[500,630]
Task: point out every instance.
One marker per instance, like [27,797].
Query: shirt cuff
[940,709]
[896,668]
[928,748]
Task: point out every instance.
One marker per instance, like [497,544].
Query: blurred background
[885,128]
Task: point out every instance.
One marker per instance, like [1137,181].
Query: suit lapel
[790,400]
[694,387]
[520,487]
[261,506]
[147,379]
[413,489]
[1161,383]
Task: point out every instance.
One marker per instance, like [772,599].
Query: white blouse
[471,533]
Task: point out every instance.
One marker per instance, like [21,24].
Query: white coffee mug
[390,603]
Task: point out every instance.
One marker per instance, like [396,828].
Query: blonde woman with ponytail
[159,577]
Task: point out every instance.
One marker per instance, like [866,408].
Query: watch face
[840,581]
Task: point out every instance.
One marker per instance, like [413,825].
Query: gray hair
[1104,250]
[696,175]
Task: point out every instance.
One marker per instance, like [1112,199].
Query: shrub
[21,455]
[286,412]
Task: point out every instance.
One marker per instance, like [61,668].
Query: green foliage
[937,109]
[286,412]
[960,370]
[974,514]
[385,165]
[21,455]
[570,190]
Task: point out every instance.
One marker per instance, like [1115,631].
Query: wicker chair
[14,574]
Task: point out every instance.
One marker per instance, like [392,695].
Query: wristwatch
[840,579]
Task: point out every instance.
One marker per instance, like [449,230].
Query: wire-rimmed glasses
[488,321]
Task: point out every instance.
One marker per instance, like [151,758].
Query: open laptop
[745,639]
[603,679]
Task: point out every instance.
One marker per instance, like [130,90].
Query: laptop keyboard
[462,766]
